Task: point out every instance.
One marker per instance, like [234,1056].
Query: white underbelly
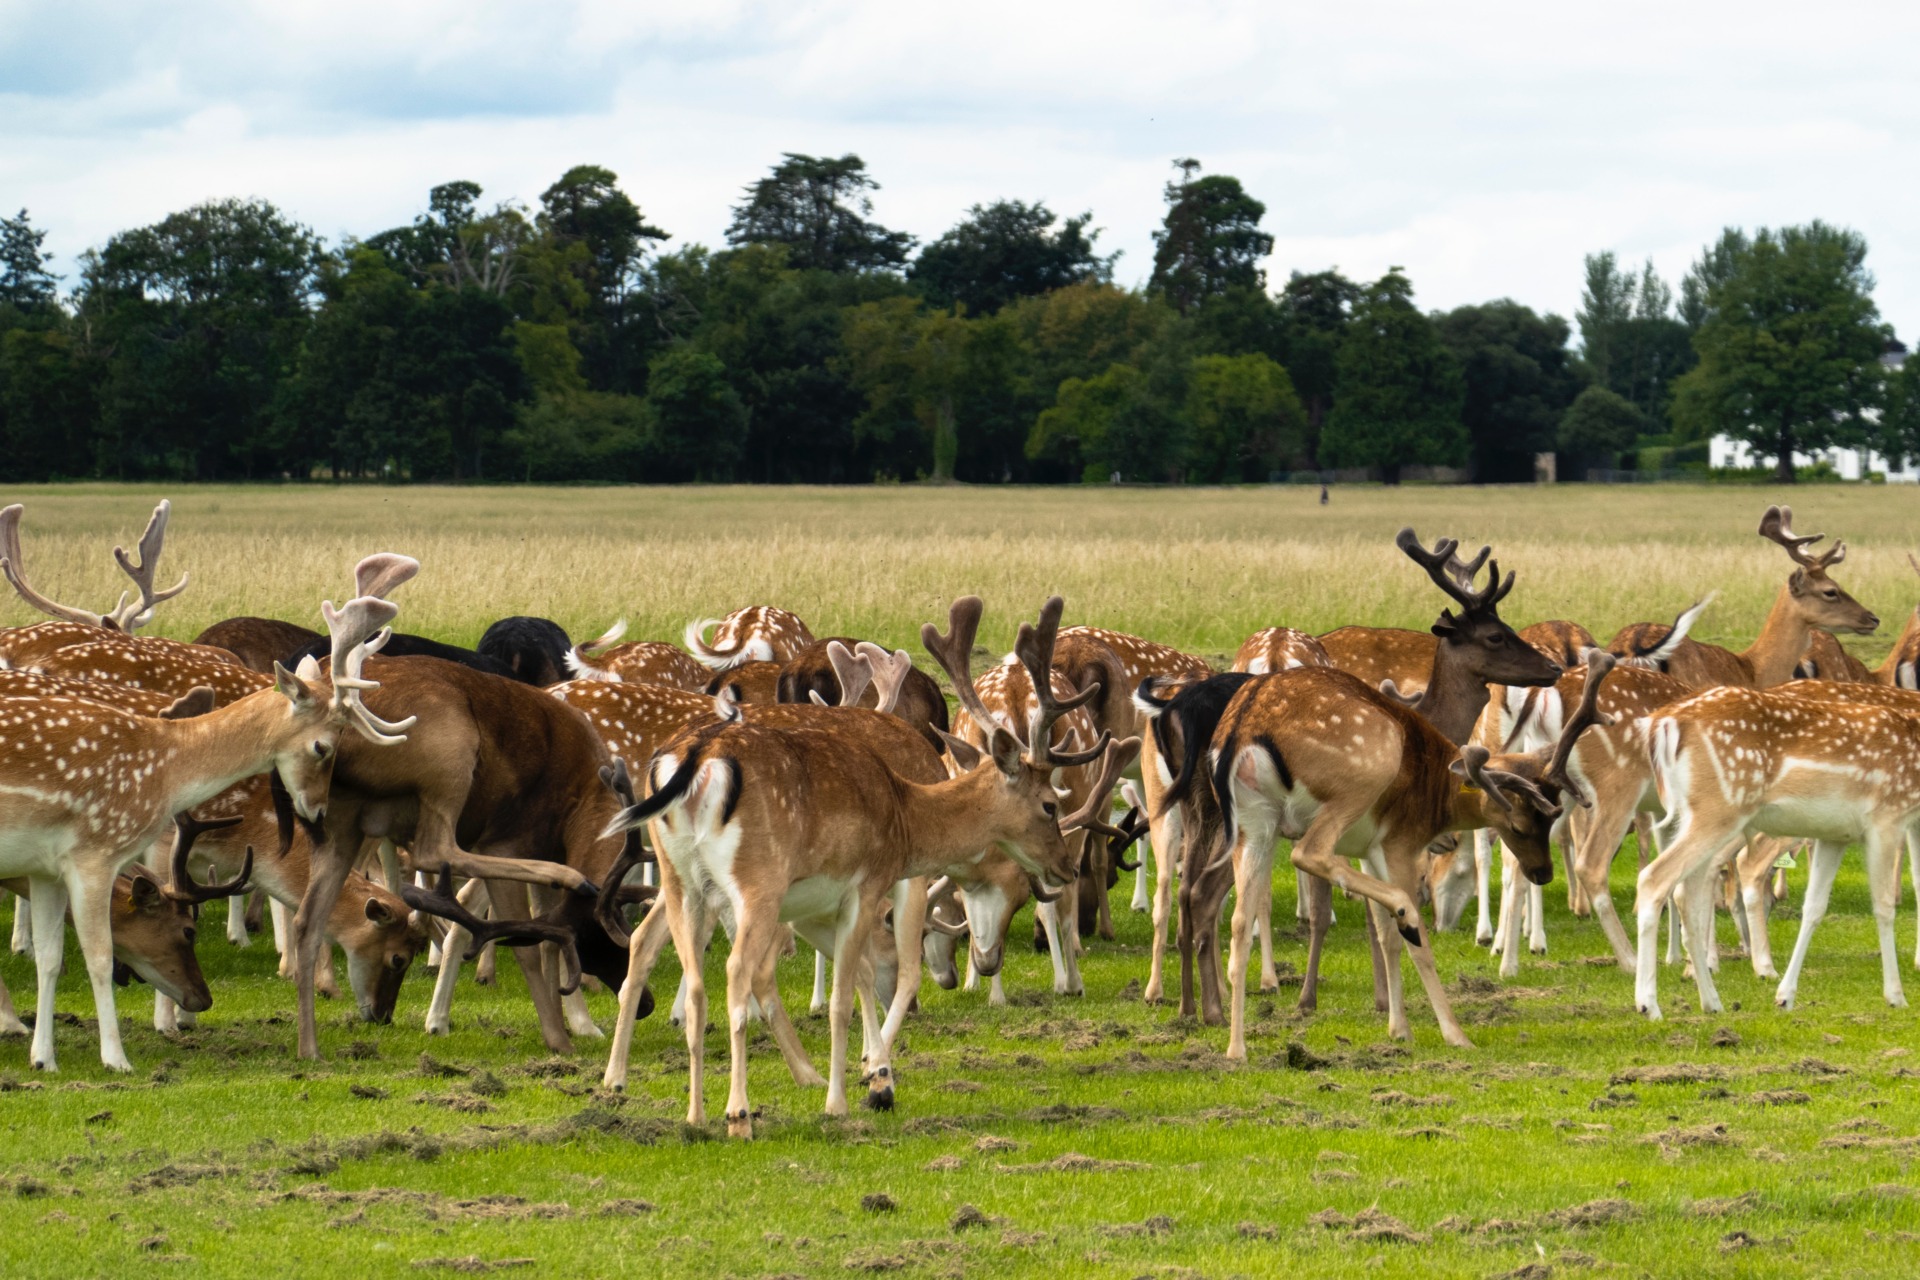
[815,898]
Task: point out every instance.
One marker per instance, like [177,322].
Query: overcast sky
[1483,147]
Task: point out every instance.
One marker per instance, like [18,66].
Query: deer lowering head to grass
[762,824]
[86,789]
[1809,599]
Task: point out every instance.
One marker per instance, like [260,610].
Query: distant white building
[1852,464]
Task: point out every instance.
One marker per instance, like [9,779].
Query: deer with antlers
[757,633]
[126,616]
[1809,599]
[830,828]
[85,789]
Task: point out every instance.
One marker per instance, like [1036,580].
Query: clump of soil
[1670,1073]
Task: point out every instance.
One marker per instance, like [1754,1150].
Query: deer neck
[1782,642]
[950,822]
[203,756]
[1455,696]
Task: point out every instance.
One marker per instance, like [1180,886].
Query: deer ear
[291,685]
[1797,584]
[380,913]
[197,702]
[146,893]
[1445,626]
[1006,752]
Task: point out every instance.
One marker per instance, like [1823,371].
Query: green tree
[1897,434]
[910,364]
[587,210]
[48,402]
[817,208]
[1599,424]
[1789,347]
[1606,305]
[1315,311]
[1211,241]
[25,282]
[1519,379]
[698,425]
[1713,268]
[1245,419]
[1008,250]
[1399,390]
[198,317]
[1111,424]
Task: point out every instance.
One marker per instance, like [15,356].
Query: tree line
[569,341]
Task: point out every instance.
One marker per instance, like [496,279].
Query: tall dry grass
[1199,568]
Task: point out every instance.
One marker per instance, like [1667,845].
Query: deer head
[1820,600]
[1487,646]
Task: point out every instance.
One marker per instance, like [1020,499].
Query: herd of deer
[787,785]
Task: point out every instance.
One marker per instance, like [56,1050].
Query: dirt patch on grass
[1156,1226]
[1670,1073]
[1695,1135]
[1782,1098]
[472,1264]
[1594,1213]
[179,1175]
[1725,1206]
[1074,1162]
[1370,1225]
[1818,1068]
[1395,1098]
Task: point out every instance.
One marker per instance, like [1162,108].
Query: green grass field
[1093,1136]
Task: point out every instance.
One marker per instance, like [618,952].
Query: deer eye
[190,935]
[1049,808]
[320,751]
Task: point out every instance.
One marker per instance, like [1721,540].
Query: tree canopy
[1398,390]
[818,208]
[1008,250]
[1211,241]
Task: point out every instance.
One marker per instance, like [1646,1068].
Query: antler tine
[1473,760]
[183,888]
[1586,715]
[1033,645]
[10,564]
[1437,563]
[514,933]
[131,617]
[1915,563]
[1465,571]
[954,652]
[890,672]
[1777,526]
[357,630]
[853,673]
[1117,757]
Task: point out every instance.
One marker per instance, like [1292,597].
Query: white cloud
[1483,146]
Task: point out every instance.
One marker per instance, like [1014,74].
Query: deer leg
[474,897]
[1883,881]
[1169,843]
[1536,919]
[1382,967]
[48,906]
[1255,859]
[1142,898]
[510,903]
[282,918]
[818,1003]
[876,1047]
[1059,946]
[1752,870]
[237,920]
[849,941]
[909,929]
[1319,896]
[1483,885]
[1695,848]
[1405,876]
[1210,899]
[1697,922]
[1822,866]
[766,992]
[1189,925]
[23,926]
[328,873]
[10,1024]
[1263,919]
[90,899]
[678,1015]
[166,1014]
[755,934]
[643,949]
[1597,840]
[1513,901]
[686,921]
[1913,873]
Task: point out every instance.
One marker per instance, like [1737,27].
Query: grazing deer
[1734,761]
[638,661]
[533,650]
[162,666]
[1279,649]
[757,633]
[754,683]
[1347,772]
[829,828]
[123,617]
[153,936]
[86,789]
[812,674]
[1809,599]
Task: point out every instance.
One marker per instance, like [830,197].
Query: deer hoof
[880,1091]
[1411,933]
[741,1125]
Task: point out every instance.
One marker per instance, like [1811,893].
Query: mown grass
[224,1155]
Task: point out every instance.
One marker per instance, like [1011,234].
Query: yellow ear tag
[1468,789]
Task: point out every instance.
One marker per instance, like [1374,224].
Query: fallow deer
[1348,772]
[127,616]
[1809,599]
[812,674]
[161,666]
[258,643]
[831,828]
[757,633]
[85,789]
[754,683]
[639,661]
[1735,761]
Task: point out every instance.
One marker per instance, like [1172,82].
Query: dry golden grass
[1200,568]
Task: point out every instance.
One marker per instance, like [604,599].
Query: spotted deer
[126,616]
[757,633]
[1809,599]
[1734,761]
[639,661]
[86,789]
[830,828]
